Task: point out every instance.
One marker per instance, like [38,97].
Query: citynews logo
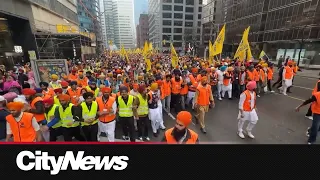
[42,161]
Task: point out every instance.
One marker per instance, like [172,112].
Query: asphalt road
[278,122]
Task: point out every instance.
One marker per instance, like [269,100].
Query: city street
[278,122]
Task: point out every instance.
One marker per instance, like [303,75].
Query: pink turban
[10,96]
[251,85]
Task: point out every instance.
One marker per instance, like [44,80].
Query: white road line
[303,87]
[291,97]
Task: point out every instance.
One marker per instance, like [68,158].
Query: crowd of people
[86,104]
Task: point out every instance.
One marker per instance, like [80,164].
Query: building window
[188,24]
[166,37]
[189,2]
[177,23]
[166,22]
[166,30]
[178,8]
[166,15]
[188,17]
[167,7]
[200,2]
[178,1]
[178,15]
[177,30]
[198,31]
[200,9]
[81,24]
[167,1]
[199,16]
[189,9]
[199,23]
[177,44]
[177,37]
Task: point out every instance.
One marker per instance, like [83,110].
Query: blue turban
[38,90]
[223,68]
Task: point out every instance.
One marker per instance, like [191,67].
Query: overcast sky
[140,6]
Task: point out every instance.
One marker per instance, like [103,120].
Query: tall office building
[118,20]
[176,21]
[280,28]
[142,30]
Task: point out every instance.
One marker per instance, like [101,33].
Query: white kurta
[248,115]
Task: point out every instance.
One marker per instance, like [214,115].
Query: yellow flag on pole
[218,44]
[243,46]
[249,54]
[262,54]
[210,53]
[174,56]
[148,63]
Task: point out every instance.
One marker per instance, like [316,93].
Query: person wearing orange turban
[180,133]
[134,90]
[203,99]
[287,77]
[17,119]
[247,110]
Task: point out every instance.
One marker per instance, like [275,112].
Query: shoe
[307,133]
[309,143]
[309,117]
[250,135]
[140,139]
[163,128]
[146,139]
[258,95]
[272,91]
[220,99]
[155,134]
[285,94]
[203,130]
[240,134]
[125,138]
[230,98]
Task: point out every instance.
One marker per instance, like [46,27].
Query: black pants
[242,88]
[143,124]
[91,132]
[128,129]
[269,85]
[55,133]
[309,113]
[279,82]
[289,88]
[176,102]
[236,90]
[69,133]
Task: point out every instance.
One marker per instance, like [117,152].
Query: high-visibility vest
[171,140]
[315,106]
[247,102]
[67,116]
[89,114]
[56,101]
[143,108]
[55,85]
[256,75]
[125,110]
[50,115]
[270,73]
[204,95]
[176,86]
[95,92]
[226,81]
[250,76]
[289,72]
[106,106]
[315,89]
[39,117]
[23,130]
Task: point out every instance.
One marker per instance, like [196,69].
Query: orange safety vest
[315,106]
[23,130]
[74,94]
[176,86]
[289,73]
[256,75]
[204,95]
[166,88]
[49,94]
[171,140]
[184,90]
[226,82]
[83,82]
[72,77]
[262,75]
[315,89]
[39,117]
[250,76]
[194,83]
[106,106]
[247,101]
[270,73]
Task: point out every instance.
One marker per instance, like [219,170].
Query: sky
[140,6]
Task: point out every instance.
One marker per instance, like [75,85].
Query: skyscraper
[118,18]
[176,21]
[142,30]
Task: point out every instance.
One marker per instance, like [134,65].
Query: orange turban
[64,84]
[48,101]
[204,79]
[28,91]
[135,86]
[184,117]
[290,63]
[15,106]
[64,97]
[106,90]
[59,90]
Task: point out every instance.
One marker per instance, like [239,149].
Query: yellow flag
[218,44]
[145,49]
[262,54]
[174,57]
[110,43]
[249,54]
[148,63]
[243,46]
[210,53]
[150,46]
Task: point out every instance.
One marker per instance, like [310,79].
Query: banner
[217,47]
[45,68]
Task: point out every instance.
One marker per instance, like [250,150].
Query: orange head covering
[64,97]
[59,90]
[28,91]
[48,101]
[204,79]
[135,86]
[185,118]
[64,84]
[106,90]
[290,63]
[17,106]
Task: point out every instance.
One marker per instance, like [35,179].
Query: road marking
[291,97]
[303,87]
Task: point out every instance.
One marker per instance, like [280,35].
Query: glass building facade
[85,14]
